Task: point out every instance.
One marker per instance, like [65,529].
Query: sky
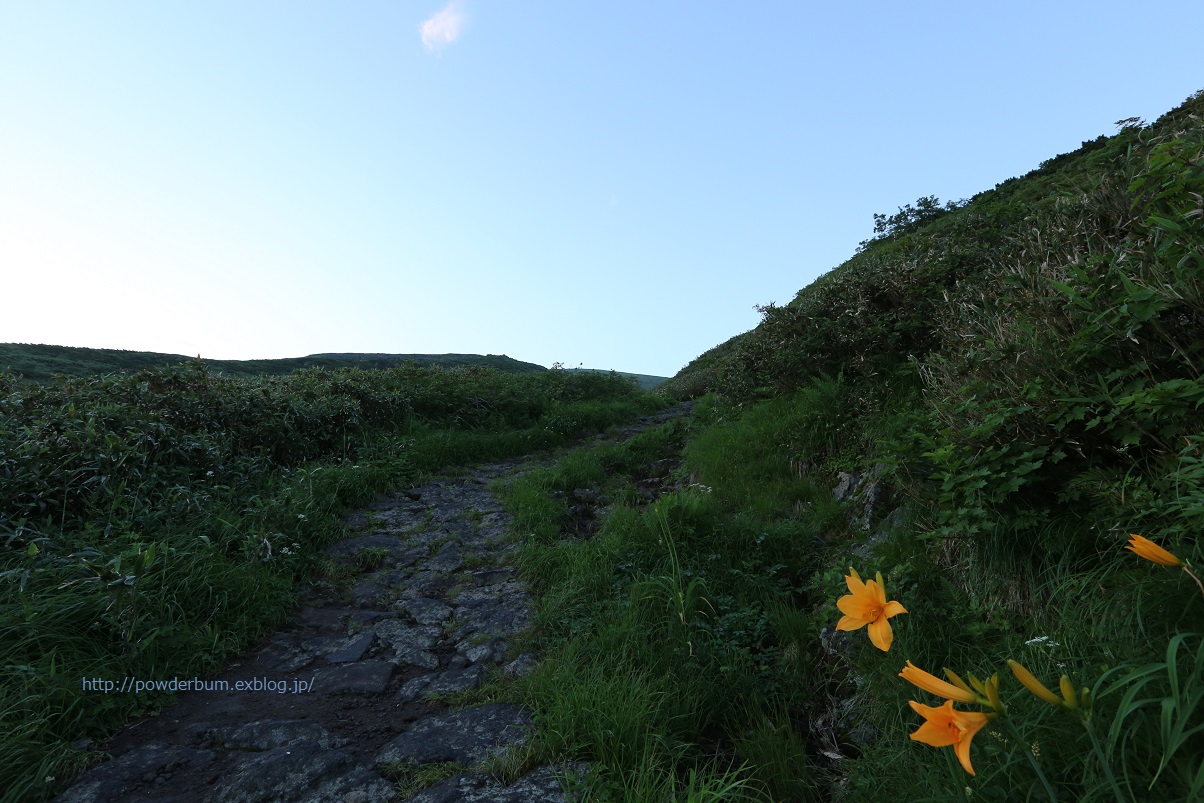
[602,183]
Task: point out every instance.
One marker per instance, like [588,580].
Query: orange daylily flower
[1070,700]
[931,683]
[867,605]
[945,726]
[1147,549]
[1030,682]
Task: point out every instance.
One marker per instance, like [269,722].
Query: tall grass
[662,666]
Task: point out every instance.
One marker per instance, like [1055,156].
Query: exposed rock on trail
[347,696]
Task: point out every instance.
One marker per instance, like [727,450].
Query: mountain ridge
[41,362]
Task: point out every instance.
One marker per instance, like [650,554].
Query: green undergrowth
[155,524]
[665,665]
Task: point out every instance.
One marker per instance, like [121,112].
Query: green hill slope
[975,412]
[645,381]
[39,363]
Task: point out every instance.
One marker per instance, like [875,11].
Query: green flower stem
[1028,753]
[1192,575]
[1103,762]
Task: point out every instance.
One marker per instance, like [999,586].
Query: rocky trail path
[350,693]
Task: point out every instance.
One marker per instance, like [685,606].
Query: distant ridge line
[42,362]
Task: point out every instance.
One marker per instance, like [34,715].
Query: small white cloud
[443,27]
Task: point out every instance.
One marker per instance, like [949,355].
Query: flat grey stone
[521,666]
[413,687]
[360,619]
[427,611]
[128,774]
[450,682]
[368,594]
[467,736]
[410,556]
[445,562]
[352,650]
[426,583]
[493,650]
[401,637]
[365,677]
[456,681]
[484,577]
[432,536]
[497,621]
[423,659]
[300,772]
[349,546]
[540,785]
[295,660]
[492,594]
[266,734]
[325,618]
[398,578]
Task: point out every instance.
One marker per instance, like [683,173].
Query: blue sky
[609,184]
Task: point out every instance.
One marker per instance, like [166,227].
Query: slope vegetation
[40,363]
[1014,383]
[1001,391]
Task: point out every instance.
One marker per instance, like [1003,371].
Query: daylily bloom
[1147,549]
[931,683]
[945,726]
[1079,702]
[867,605]
[1068,693]
[1031,683]
[989,688]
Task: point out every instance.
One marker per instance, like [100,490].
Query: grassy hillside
[646,381]
[1002,391]
[39,363]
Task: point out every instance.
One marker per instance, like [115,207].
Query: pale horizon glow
[615,185]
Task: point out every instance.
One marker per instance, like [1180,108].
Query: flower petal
[962,748]
[851,623]
[856,606]
[931,683]
[969,723]
[955,679]
[1147,549]
[935,730]
[853,581]
[881,635]
[893,609]
[1030,682]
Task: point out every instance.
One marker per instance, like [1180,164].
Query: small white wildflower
[1043,641]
